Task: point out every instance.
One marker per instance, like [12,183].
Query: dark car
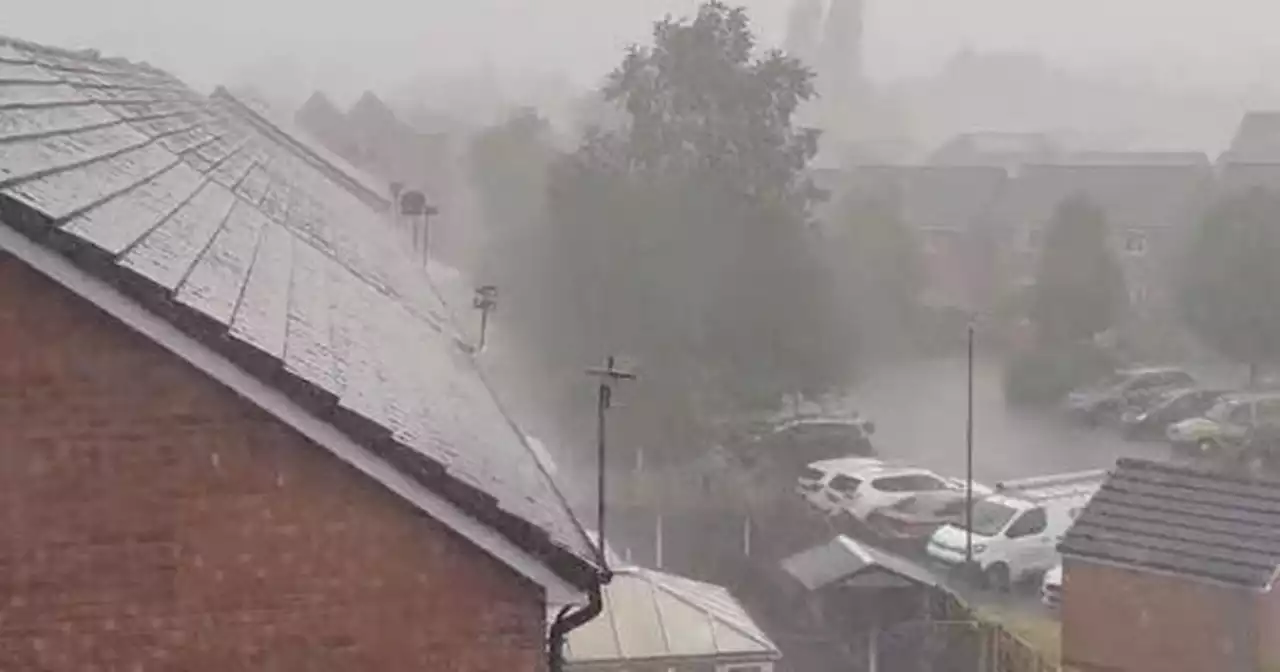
[1149,421]
[1109,399]
[799,441]
[909,523]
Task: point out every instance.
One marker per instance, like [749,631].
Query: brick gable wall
[1130,621]
[151,519]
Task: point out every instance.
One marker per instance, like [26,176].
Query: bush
[1044,376]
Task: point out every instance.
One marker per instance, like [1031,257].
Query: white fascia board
[119,306]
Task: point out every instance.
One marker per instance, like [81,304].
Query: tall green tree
[1232,278]
[508,165]
[681,237]
[1079,289]
[880,267]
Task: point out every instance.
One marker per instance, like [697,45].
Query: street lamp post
[608,375]
[968,459]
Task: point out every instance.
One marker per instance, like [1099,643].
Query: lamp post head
[413,204]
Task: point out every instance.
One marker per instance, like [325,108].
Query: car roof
[792,423]
[867,467]
[1149,370]
[1250,396]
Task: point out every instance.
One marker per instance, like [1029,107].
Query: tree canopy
[680,238]
[878,262]
[1232,278]
[1079,289]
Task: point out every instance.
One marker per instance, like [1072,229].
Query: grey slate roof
[1184,521]
[368,188]
[947,197]
[242,242]
[1133,196]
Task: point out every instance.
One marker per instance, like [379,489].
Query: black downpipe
[567,621]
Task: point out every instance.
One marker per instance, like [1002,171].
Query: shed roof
[1182,520]
[650,615]
[228,233]
[851,563]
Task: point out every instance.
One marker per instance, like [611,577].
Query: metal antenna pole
[486,300]
[968,450]
[608,375]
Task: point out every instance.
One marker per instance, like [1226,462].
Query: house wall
[1128,621]
[1269,628]
[151,519]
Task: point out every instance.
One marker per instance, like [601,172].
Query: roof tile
[120,222]
[212,210]
[1183,520]
[167,253]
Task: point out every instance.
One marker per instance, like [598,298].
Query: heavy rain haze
[1226,44]
[743,289]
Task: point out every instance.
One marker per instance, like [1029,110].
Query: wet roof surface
[1182,520]
[244,243]
[649,614]
[848,562]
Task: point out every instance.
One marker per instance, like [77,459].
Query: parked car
[802,440]
[1108,399]
[1051,587]
[1232,420]
[911,521]
[1150,421]
[858,486]
[1015,532]
[826,484]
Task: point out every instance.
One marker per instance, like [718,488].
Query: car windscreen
[845,484]
[990,517]
[812,474]
[1221,411]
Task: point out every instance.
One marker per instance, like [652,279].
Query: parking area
[919,409]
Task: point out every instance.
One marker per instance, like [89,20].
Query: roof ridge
[86,54]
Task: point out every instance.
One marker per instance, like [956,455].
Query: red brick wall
[152,520]
[1127,621]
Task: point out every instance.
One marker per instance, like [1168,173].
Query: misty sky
[383,42]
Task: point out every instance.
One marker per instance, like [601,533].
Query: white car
[859,486]
[1015,532]
[1051,587]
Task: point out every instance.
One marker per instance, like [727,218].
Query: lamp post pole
[608,375]
[968,458]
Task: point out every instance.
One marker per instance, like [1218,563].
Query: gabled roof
[1236,176]
[1133,196]
[225,246]
[847,562]
[1257,138]
[947,197]
[650,615]
[994,149]
[1185,521]
[372,190]
[1097,158]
